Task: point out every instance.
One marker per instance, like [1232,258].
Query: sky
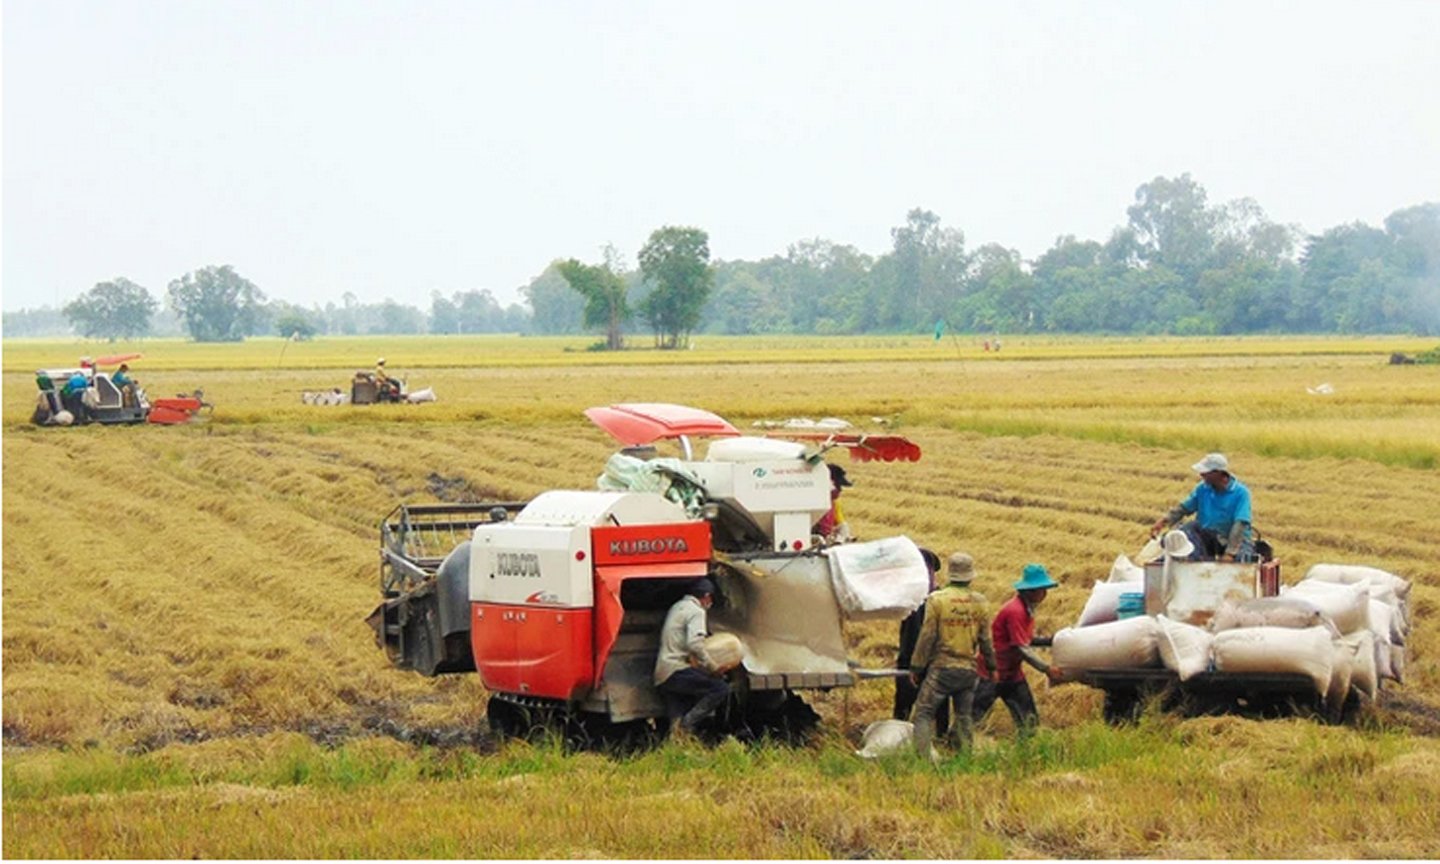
[395,149]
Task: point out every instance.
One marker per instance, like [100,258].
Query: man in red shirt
[1012,631]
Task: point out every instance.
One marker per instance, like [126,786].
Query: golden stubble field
[187,671]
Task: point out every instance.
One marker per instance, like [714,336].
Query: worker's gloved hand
[1055,674]
[1157,527]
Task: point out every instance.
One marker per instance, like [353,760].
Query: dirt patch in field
[458,490]
[1411,714]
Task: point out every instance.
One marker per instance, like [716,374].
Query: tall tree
[675,263]
[118,309]
[217,304]
[1173,226]
[552,304]
[604,290]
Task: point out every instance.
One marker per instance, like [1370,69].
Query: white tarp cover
[879,579]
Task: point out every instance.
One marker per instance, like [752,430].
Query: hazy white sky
[393,149]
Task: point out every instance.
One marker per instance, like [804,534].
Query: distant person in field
[832,527]
[956,629]
[1012,633]
[122,380]
[905,689]
[1220,503]
[72,395]
[682,667]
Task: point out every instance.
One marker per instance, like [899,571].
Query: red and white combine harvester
[558,602]
[88,394]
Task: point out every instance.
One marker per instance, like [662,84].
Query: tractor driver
[1221,505]
[682,667]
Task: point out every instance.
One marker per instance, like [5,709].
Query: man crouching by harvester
[683,668]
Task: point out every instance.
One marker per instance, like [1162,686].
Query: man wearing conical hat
[956,627]
[1012,632]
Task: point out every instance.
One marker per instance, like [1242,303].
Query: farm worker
[122,380]
[832,527]
[73,396]
[683,668]
[905,689]
[1012,631]
[957,624]
[1221,505]
[380,376]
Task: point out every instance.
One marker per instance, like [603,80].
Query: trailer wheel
[1121,707]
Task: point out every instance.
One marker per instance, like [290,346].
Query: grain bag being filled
[1112,645]
[1307,652]
[1347,606]
[1297,613]
[1184,648]
[889,738]
[726,651]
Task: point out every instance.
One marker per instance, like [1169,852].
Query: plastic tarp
[667,477]
[879,579]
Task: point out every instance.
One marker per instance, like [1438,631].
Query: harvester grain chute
[557,602]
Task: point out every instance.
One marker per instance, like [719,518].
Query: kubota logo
[648,546]
[521,564]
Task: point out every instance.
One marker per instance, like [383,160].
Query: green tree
[217,304]
[552,303]
[118,309]
[675,264]
[605,292]
[295,325]
[1173,226]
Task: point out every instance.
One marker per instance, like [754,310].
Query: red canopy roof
[636,423]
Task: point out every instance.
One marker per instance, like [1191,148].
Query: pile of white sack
[1343,625]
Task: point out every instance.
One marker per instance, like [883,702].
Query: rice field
[187,671]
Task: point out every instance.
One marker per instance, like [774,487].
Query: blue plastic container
[1130,605]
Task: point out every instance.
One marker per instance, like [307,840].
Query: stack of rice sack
[1343,626]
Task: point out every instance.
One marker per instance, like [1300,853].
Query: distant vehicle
[104,400]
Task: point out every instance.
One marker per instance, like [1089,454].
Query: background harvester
[1229,636]
[557,602]
[88,394]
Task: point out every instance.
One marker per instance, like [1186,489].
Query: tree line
[1179,265]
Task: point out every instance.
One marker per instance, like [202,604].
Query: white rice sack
[1347,606]
[1382,623]
[1397,663]
[1355,573]
[1184,648]
[1104,598]
[888,738]
[1297,613]
[1277,650]
[1384,667]
[1112,645]
[1340,674]
[1362,669]
[1125,570]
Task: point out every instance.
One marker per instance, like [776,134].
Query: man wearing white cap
[1220,504]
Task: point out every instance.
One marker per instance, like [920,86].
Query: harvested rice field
[187,671]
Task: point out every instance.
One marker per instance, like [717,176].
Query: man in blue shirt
[1220,503]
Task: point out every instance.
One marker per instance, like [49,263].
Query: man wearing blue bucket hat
[1011,633]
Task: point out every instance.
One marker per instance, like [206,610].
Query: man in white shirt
[683,667]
